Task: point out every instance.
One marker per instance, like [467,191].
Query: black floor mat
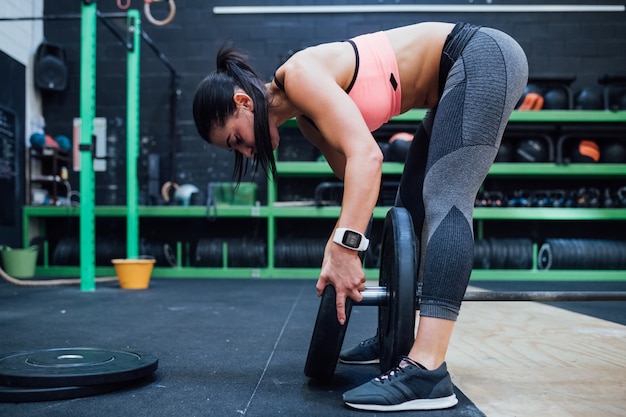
[225,347]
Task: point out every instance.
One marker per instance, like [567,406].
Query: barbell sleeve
[374,296]
[377,296]
[545,296]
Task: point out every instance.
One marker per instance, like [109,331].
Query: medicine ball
[401,136]
[585,151]
[530,94]
[589,98]
[556,99]
[531,150]
[613,153]
[64,142]
[50,142]
[51,67]
[38,140]
[398,150]
[399,145]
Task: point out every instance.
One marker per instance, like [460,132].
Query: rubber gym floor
[238,347]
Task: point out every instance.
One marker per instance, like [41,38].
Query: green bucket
[19,263]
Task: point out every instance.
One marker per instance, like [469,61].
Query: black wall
[12,176]
[585,45]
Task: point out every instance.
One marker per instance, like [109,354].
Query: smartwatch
[351,239]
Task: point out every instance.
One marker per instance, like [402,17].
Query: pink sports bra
[375,86]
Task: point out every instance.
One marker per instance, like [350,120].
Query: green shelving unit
[35,217]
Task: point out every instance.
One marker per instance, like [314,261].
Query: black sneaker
[364,353]
[406,387]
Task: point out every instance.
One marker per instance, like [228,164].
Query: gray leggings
[449,158]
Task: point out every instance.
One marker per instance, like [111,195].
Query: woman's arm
[344,136]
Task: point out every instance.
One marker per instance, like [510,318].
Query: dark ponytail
[213,104]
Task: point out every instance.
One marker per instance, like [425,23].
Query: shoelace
[399,369]
[369,341]
[392,373]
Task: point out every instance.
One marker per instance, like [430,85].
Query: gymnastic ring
[165,190]
[146,10]
[123,6]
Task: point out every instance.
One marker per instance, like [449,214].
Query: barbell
[397,300]
[376,296]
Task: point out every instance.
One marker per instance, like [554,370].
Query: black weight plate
[398,273]
[327,338]
[64,367]
[32,394]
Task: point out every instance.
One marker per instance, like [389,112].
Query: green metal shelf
[327,212]
[549,275]
[311,169]
[149,211]
[542,116]
[548,213]
[480,213]
[569,116]
[556,170]
[371,274]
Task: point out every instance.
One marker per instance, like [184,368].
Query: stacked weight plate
[241,253]
[503,253]
[582,254]
[64,373]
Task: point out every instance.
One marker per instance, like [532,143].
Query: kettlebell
[184,193]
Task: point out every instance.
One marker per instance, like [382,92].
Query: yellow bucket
[19,263]
[133,274]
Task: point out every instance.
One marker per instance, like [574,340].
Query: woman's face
[237,134]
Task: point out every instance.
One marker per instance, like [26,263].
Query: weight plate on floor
[64,367]
[327,338]
[398,273]
[35,394]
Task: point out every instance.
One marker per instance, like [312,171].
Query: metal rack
[271,213]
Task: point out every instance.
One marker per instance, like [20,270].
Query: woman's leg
[453,151]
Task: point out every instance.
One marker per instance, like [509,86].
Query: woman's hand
[342,268]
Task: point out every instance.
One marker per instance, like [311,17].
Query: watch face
[351,239]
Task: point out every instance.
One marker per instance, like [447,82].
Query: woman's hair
[213,104]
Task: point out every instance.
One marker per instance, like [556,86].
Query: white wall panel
[20,39]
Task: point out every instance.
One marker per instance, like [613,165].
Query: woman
[470,79]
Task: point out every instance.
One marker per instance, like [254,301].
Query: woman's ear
[242,100]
